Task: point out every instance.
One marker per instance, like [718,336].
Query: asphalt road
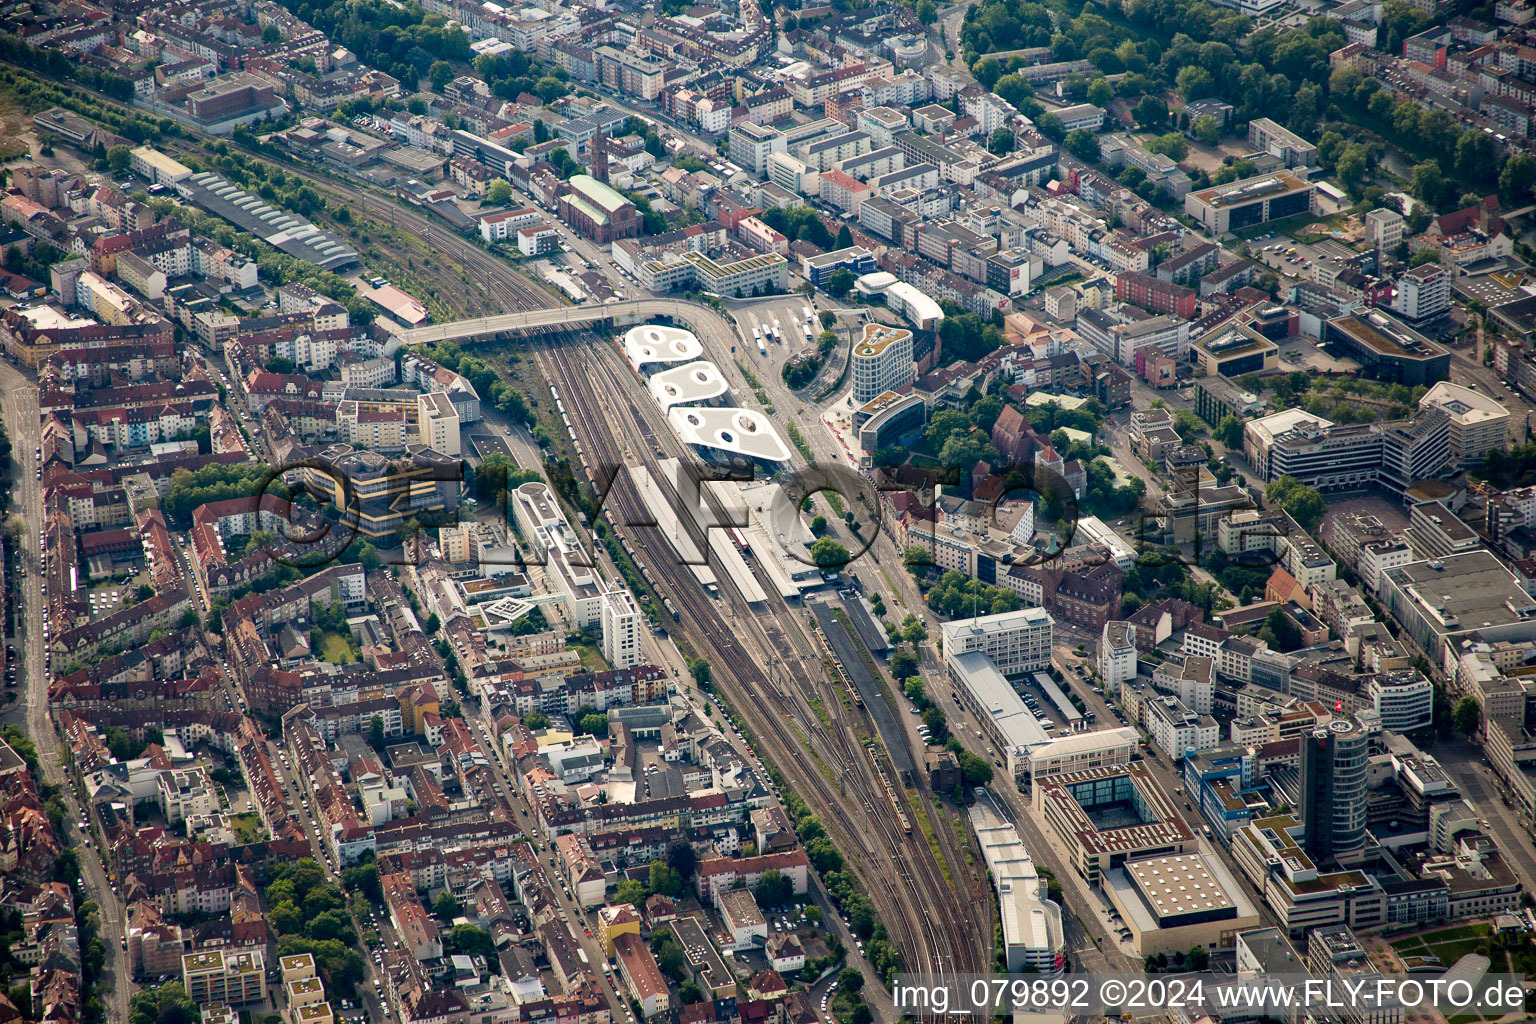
[21,419]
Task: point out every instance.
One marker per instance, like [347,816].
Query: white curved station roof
[684,385]
[738,431]
[653,343]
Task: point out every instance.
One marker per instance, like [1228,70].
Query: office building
[855,259]
[1388,349]
[1442,601]
[1479,423]
[1107,816]
[1010,727]
[1281,143]
[1080,751]
[1174,902]
[882,361]
[1334,953]
[1236,352]
[1176,728]
[1301,895]
[1404,700]
[1333,788]
[1033,937]
[1217,398]
[888,420]
[1017,641]
[1251,201]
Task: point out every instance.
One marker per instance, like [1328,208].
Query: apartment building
[214,977]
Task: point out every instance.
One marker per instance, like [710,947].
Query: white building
[1017,641]
[752,144]
[1006,724]
[438,421]
[621,630]
[1423,293]
[1383,229]
[1478,422]
[1032,924]
[1405,700]
[882,361]
[1175,728]
[1117,654]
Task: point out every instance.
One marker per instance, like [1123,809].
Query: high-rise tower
[1333,772]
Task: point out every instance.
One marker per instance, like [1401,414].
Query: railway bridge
[623,313]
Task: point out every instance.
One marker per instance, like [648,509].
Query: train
[740,540]
[666,603]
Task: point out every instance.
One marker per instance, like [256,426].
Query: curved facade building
[882,361]
[1333,777]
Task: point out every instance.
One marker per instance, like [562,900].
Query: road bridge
[623,313]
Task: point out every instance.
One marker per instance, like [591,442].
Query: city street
[20,411]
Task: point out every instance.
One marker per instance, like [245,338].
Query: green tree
[1100,92]
[819,525]
[286,917]
[119,158]
[912,629]
[164,1004]
[1001,141]
[844,237]
[364,879]
[665,879]
[1206,130]
[1082,144]
[839,283]
[1304,504]
[446,906]
[682,858]
[851,979]
[1517,178]
[629,891]
[1173,145]
[699,669]
[1467,716]
[1194,82]
[828,554]
[1477,158]
[271,34]
[1280,631]
[441,73]
[498,192]
[376,734]
[1230,433]
[773,889]
[1151,112]
[1428,185]
[468,940]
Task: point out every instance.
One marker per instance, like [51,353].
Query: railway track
[939,928]
[932,925]
[505,288]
